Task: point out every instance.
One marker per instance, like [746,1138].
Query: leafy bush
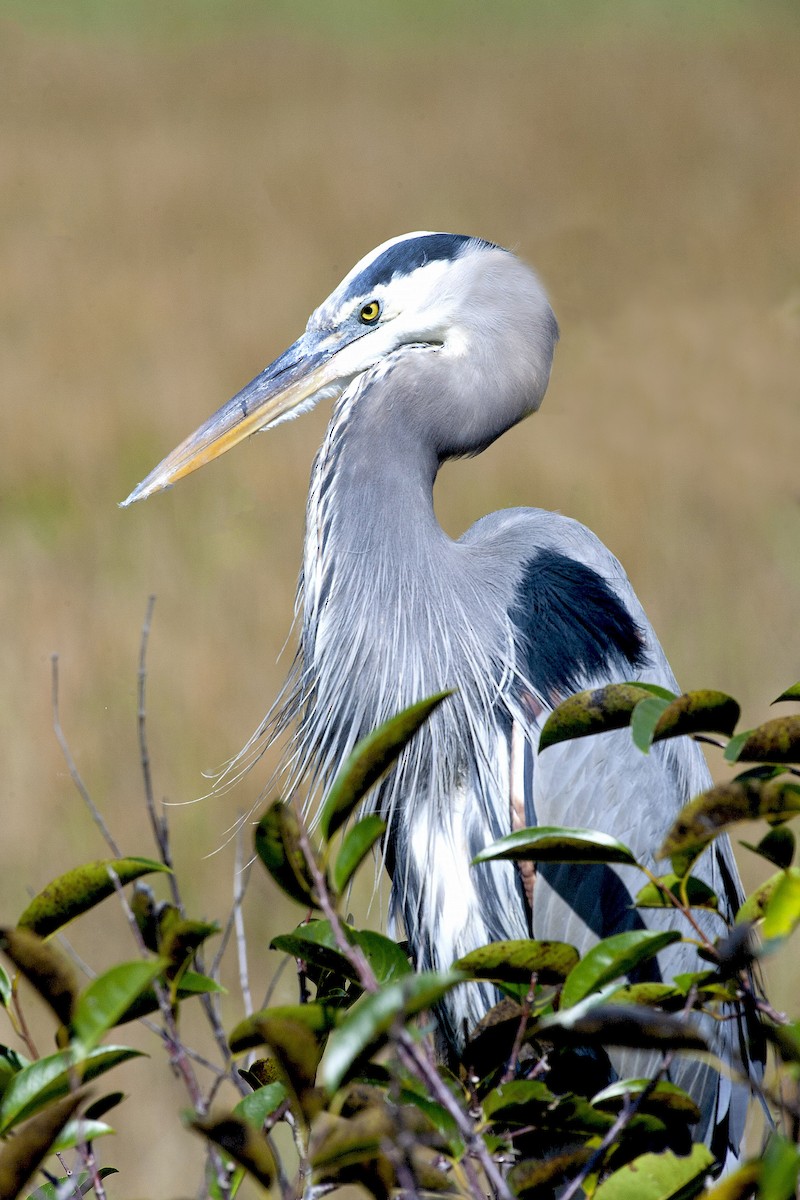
[350,1069]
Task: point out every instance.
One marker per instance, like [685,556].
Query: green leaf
[517,1101]
[241,1142]
[251,1031]
[782,911]
[698,894]
[373,1015]
[80,889]
[714,811]
[278,845]
[71,1185]
[108,997]
[755,906]
[76,1132]
[21,1155]
[45,967]
[602,1024]
[356,846]
[665,1176]
[614,956]
[5,988]
[776,846]
[515,962]
[644,719]
[791,693]
[315,942]
[776,741]
[701,711]
[665,1097]
[779,1169]
[260,1105]
[190,984]
[371,759]
[594,711]
[48,1078]
[554,843]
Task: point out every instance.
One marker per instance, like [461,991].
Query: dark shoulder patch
[406,256]
[571,628]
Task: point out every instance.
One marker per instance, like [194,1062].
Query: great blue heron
[432,346]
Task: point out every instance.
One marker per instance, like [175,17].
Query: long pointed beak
[290,385]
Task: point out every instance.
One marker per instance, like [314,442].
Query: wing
[578,624]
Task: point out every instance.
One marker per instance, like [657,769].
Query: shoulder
[572,600]
[524,533]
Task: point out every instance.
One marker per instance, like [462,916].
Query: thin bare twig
[94,811]
[241,875]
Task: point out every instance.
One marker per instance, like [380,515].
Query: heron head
[477,306]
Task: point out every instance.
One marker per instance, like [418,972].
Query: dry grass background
[178,191]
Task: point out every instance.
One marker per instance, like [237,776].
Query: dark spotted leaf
[554,843]
[665,1176]
[45,967]
[260,1105]
[315,942]
[251,1031]
[107,998]
[278,845]
[372,758]
[354,1150]
[614,956]
[664,1098]
[701,711]
[657,995]
[716,810]
[620,1025]
[791,693]
[515,962]
[776,846]
[492,1039]
[776,741]
[80,889]
[594,711]
[355,847]
[47,1079]
[181,940]
[368,1022]
[785,1039]
[532,1179]
[697,893]
[21,1155]
[237,1138]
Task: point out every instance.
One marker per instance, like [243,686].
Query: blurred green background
[181,183]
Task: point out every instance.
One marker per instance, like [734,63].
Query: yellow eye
[370,312]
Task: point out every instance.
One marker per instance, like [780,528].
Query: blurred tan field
[176,195]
